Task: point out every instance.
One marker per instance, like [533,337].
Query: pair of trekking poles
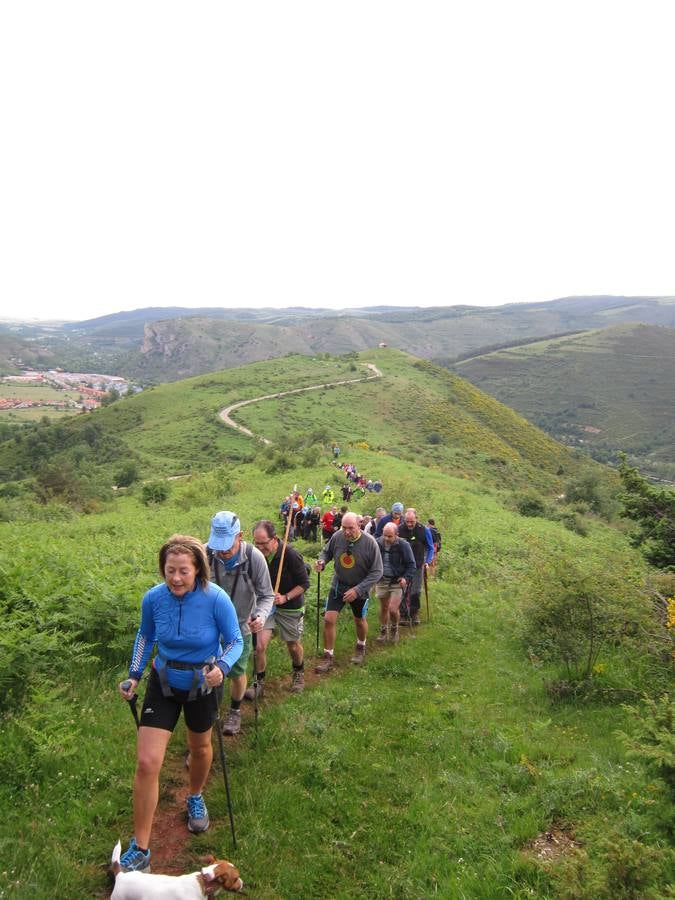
[221,746]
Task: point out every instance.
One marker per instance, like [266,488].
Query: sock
[360,643]
[235,704]
[260,676]
[329,652]
[144,850]
[299,668]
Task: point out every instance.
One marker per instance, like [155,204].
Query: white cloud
[332,155]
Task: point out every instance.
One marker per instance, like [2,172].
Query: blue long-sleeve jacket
[186,629]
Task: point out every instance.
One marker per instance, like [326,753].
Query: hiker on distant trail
[241,570]
[396,515]
[312,522]
[288,613]
[191,621]
[436,540]
[328,497]
[398,571]
[327,523]
[419,538]
[336,451]
[346,492]
[358,566]
[310,498]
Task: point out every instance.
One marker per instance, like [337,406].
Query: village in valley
[56,392]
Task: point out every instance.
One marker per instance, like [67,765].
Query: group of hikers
[222,602]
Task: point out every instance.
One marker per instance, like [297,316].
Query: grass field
[431,771]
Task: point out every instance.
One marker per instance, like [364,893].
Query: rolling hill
[609,390]
[174,428]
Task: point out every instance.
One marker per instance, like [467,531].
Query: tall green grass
[425,772]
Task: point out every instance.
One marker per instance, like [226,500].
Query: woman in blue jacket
[193,623]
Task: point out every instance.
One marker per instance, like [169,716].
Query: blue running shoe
[134,860]
[198,815]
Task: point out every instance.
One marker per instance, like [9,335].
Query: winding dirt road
[224,414]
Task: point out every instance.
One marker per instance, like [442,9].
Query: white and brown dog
[218,875]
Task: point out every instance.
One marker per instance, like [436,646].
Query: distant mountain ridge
[608,390]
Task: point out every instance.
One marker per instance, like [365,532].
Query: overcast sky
[345,154]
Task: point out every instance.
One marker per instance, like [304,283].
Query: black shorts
[163,712]
[335,602]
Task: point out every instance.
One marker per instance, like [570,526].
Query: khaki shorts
[388,588]
[290,626]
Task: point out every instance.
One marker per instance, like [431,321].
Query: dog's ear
[208,859]
[228,875]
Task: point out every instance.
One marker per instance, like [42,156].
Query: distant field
[19,416]
[38,393]
[41,393]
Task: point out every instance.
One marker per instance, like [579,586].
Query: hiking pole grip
[126,685]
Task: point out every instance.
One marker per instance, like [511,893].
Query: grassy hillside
[436,769]
[608,390]
[417,410]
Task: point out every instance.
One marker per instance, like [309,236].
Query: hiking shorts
[163,712]
[290,625]
[239,668]
[388,587]
[335,603]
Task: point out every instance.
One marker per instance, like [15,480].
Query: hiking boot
[326,665]
[382,636]
[134,860]
[405,622]
[249,693]
[394,636]
[198,814]
[298,681]
[359,655]
[232,724]
[416,620]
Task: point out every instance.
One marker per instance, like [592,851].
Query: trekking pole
[409,610]
[254,638]
[426,593]
[132,703]
[318,608]
[211,663]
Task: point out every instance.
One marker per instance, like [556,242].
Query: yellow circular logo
[347,560]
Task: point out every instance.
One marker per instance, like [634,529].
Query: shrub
[654,511]
[127,475]
[653,737]
[578,607]
[530,505]
[154,492]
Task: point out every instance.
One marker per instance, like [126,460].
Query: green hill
[609,390]
[417,410]
[475,759]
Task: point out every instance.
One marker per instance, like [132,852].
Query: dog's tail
[115,859]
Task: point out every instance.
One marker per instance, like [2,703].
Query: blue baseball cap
[225,527]
[397,508]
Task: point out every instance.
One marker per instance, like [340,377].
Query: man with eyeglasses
[358,567]
[288,613]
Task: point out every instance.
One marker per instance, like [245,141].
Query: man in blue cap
[395,516]
[241,570]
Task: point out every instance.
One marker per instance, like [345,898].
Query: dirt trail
[173,847]
[225,413]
